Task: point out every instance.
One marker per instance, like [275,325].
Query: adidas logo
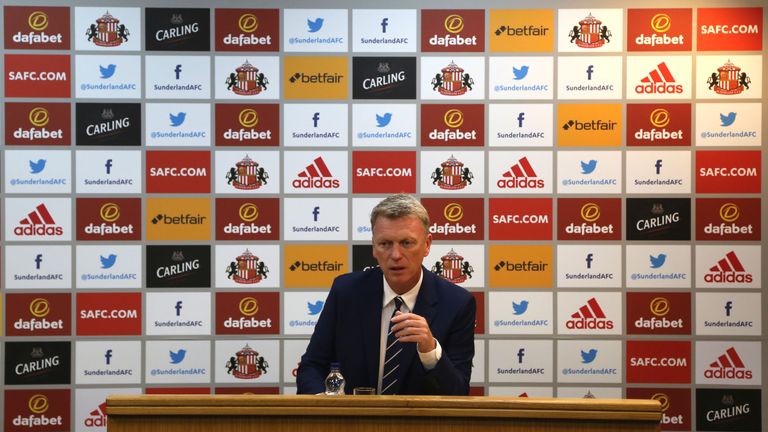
[520,175]
[316,175]
[38,222]
[659,81]
[98,417]
[728,270]
[728,366]
[590,316]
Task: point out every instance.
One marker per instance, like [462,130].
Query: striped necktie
[391,358]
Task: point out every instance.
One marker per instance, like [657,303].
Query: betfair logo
[109,212]
[317,78]
[659,117]
[39,307]
[39,117]
[590,212]
[38,404]
[248,306]
[248,118]
[317,266]
[454,23]
[248,212]
[729,212]
[248,23]
[453,212]
[661,23]
[453,118]
[184,219]
[659,306]
[38,21]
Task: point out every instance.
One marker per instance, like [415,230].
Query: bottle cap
[335,365]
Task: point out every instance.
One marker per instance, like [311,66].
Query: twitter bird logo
[315,308]
[36,167]
[178,119]
[108,262]
[589,356]
[107,72]
[727,120]
[658,261]
[178,356]
[520,308]
[315,26]
[384,120]
[520,73]
[588,167]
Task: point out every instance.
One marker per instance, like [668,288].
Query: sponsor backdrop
[181,184]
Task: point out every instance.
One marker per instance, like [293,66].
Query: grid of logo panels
[595,184]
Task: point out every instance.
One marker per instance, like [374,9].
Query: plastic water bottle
[334,382]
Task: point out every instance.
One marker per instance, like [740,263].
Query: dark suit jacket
[349,331]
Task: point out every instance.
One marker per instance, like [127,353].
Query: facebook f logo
[589,260]
[658,166]
[316,212]
[38,260]
[178,71]
[520,355]
[108,166]
[520,118]
[590,69]
[178,307]
[728,307]
[108,356]
[316,118]
[384,24]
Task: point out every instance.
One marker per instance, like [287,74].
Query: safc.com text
[728,172]
[37,76]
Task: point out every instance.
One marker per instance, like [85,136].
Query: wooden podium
[288,413]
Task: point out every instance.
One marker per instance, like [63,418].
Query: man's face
[400,245]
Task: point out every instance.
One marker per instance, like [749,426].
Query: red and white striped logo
[659,81]
[38,222]
[728,366]
[316,176]
[521,175]
[728,270]
[589,316]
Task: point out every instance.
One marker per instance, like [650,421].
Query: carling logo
[658,219]
[453,30]
[384,77]
[35,27]
[589,316]
[659,29]
[728,409]
[177,29]
[247,29]
[728,365]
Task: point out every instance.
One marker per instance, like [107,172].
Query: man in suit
[431,345]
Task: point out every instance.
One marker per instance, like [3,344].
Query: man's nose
[397,251]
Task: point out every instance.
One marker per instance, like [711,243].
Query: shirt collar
[409,298]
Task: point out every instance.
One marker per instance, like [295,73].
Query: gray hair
[399,206]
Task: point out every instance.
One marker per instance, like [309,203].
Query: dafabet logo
[675,405]
[455,219]
[728,219]
[109,218]
[522,30]
[589,125]
[36,27]
[178,219]
[248,125]
[452,125]
[453,30]
[315,77]
[38,315]
[247,219]
[247,29]
[589,219]
[37,124]
[659,29]
[247,313]
[314,266]
[658,125]
[44,410]
[528,266]
[659,313]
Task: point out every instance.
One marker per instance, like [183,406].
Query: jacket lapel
[370,323]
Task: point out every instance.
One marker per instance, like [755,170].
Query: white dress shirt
[428,359]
